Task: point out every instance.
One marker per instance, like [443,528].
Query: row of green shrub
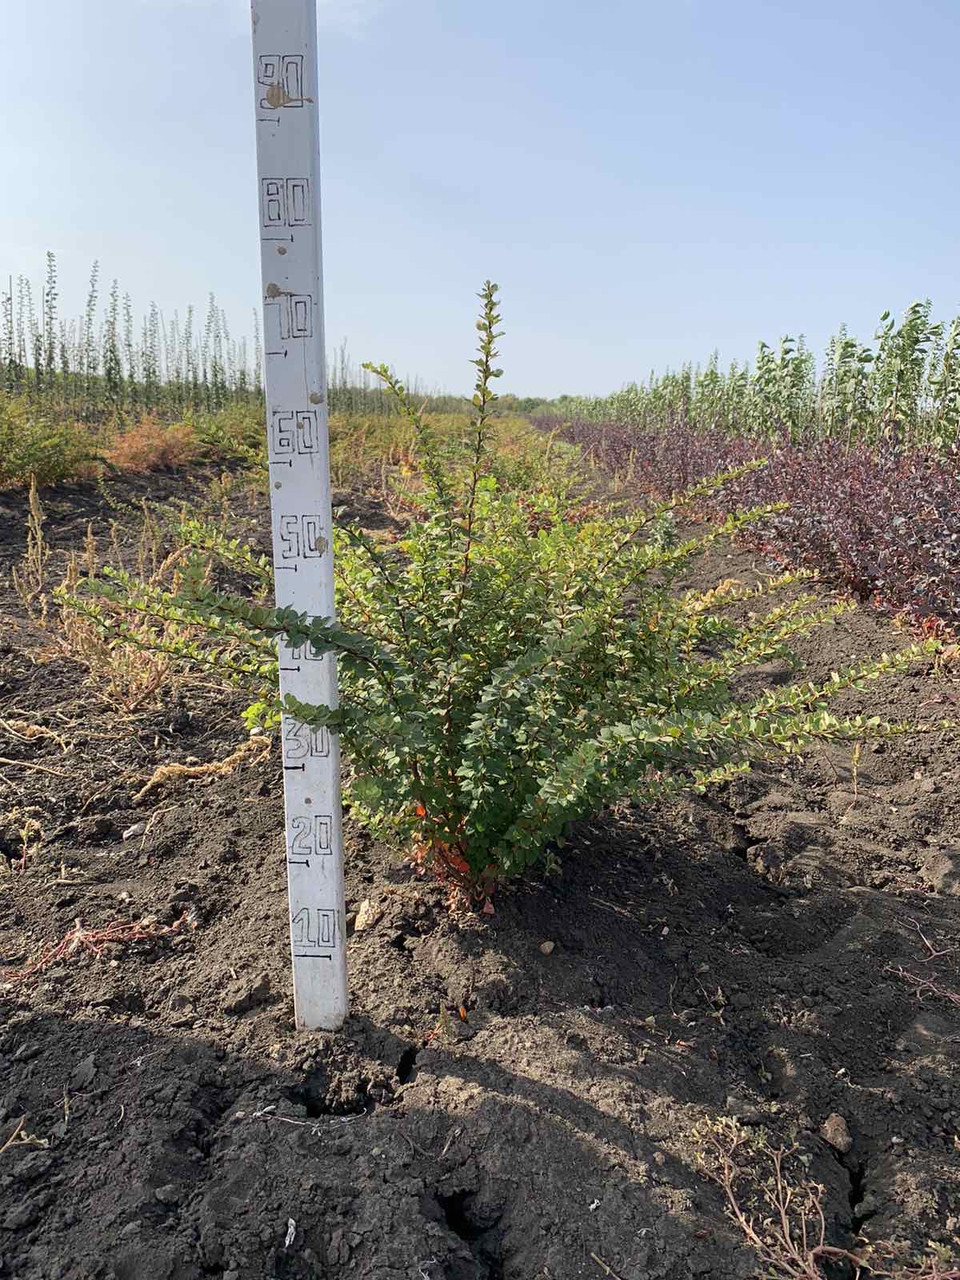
[906,385]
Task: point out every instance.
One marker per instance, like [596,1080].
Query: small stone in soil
[367,916]
[835,1131]
[22,1215]
[242,996]
[96,828]
[941,871]
[743,1111]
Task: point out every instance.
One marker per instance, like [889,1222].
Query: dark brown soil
[780,952]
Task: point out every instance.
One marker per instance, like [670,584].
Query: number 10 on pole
[287,123]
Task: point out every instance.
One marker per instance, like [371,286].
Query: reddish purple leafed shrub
[882,521]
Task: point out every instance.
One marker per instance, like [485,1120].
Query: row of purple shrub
[882,521]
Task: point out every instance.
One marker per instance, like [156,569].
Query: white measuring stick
[288,144]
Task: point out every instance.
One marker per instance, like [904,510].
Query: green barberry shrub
[517,659]
[36,447]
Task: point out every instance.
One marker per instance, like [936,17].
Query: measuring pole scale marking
[288,132]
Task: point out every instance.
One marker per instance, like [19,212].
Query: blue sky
[645,181]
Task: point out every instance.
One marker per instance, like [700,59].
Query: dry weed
[28,830]
[27,731]
[20,1138]
[96,942]
[251,752]
[154,446]
[29,581]
[780,1212]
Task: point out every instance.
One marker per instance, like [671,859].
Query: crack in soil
[858,1193]
[315,1096]
[407,1064]
[478,1236]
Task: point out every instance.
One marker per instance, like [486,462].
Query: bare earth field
[784,952]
